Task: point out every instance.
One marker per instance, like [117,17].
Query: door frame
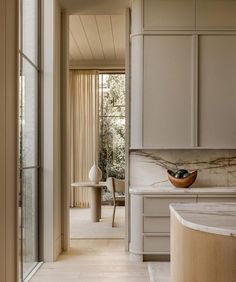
[66,165]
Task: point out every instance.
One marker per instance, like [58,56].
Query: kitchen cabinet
[217,91]
[189,15]
[150,214]
[169,14]
[183,74]
[167,88]
[215,15]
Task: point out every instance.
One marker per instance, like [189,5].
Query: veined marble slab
[215,218]
[215,167]
[169,189]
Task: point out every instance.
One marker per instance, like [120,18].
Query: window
[112,124]
[29,133]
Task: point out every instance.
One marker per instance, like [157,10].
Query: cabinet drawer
[156,224]
[215,199]
[160,205]
[157,244]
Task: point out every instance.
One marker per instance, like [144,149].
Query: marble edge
[172,190]
[201,227]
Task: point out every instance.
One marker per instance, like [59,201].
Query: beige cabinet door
[217,91]
[169,14]
[168,91]
[215,14]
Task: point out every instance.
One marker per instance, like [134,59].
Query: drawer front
[156,224]
[157,244]
[215,199]
[160,205]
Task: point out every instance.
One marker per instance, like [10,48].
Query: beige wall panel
[57,132]
[169,14]
[136,16]
[215,14]
[8,140]
[11,138]
[136,99]
[217,96]
[2,143]
[168,91]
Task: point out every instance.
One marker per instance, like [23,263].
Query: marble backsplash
[215,167]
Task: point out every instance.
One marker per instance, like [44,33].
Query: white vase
[95,173]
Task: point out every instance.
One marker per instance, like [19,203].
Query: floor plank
[94,260]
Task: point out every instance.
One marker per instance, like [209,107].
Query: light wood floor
[81,226]
[94,260]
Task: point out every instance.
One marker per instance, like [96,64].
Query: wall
[51,131]
[215,167]
[8,139]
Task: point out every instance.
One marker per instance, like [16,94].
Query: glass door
[29,133]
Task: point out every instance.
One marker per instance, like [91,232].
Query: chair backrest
[115,185]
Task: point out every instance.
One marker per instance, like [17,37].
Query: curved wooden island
[203,242]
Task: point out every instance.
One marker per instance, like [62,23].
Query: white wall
[8,139]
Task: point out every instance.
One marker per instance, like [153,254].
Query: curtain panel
[84,130]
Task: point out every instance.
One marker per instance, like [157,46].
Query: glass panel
[112,125]
[30,29]
[112,95]
[29,115]
[29,220]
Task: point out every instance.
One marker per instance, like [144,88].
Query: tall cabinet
[183,69]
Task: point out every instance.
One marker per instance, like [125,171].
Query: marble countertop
[216,218]
[167,188]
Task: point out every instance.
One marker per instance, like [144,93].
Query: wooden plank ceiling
[97,40]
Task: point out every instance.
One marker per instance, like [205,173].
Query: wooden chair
[116,186]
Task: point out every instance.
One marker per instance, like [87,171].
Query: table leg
[95,204]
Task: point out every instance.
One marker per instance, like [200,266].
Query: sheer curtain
[84,130]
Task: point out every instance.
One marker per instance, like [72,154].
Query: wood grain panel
[2,142]
[201,256]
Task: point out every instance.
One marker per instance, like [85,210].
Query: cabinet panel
[156,224]
[160,206]
[215,199]
[169,14]
[168,91]
[217,95]
[215,14]
[136,105]
[159,244]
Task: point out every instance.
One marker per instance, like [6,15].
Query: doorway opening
[98,126]
[111,160]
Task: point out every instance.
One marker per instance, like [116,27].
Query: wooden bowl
[182,182]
